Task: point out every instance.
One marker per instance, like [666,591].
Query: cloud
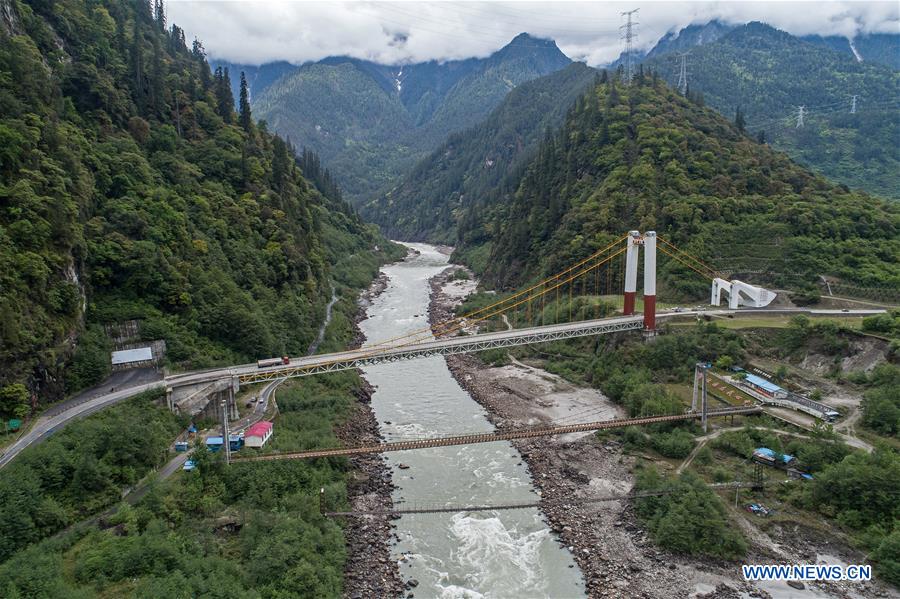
[255,32]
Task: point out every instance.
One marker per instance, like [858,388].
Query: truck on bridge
[282,361]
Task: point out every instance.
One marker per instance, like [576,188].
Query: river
[500,554]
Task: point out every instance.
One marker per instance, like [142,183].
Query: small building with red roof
[258,434]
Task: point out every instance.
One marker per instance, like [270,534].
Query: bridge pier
[631,266]
[205,399]
[634,241]
[650,281]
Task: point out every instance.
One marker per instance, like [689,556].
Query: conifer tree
[159,15]
[137,65]
[224,99]
[739,120]
[246,118]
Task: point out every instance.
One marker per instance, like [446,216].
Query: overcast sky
[255,32]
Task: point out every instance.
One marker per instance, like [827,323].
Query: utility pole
[703,401]
[629,35]
[801,112]
[682,73]
[853,104]
[226,445]
[695,396]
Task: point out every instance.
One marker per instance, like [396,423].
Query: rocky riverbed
[370,571]
[610,546]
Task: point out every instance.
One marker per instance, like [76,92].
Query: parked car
[759,509]
[189,465]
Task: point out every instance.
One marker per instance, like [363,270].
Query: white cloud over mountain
[255,32]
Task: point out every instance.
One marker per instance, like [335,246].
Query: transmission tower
[853,104]
[801,112]
[629,35]
[682,73]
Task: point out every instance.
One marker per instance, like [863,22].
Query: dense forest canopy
[641,156]
[132,188]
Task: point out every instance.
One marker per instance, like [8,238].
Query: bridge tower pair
[635,241]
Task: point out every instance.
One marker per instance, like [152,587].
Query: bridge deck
[425,345]
[498,436]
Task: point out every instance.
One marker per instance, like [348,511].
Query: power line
[829,109]
[629,36]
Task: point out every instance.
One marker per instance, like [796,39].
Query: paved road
[47,425]
[259,409]
[122,379]
[424,345]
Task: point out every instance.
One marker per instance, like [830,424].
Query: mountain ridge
[471,165]
[642,156]
[133,191]
[880,48]
[409,108]
[766,73]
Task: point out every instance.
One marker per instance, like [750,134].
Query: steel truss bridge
[387,353]
[524,433]
[443,347]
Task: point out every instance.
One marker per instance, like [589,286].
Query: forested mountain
[130,188]
[769,74]
[644,157]
[467,168]
[368,122]
[878,48]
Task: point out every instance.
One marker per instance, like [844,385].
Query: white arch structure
[740,294]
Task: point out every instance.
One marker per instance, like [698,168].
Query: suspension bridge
[564,305]
[552,309]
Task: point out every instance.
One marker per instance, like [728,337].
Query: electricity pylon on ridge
[629,35]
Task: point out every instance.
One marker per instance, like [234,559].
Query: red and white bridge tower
[635,241]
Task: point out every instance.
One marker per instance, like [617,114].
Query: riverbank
[614,554]
[369,570]
[610,546]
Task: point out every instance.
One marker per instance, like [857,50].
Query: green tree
[14,401]
[245,118]
[739,120]
[689,518]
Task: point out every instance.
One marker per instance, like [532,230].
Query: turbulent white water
[502,554]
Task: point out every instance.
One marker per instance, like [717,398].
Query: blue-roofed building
[214,443]
[765,386]
[235,442]
[764,454]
